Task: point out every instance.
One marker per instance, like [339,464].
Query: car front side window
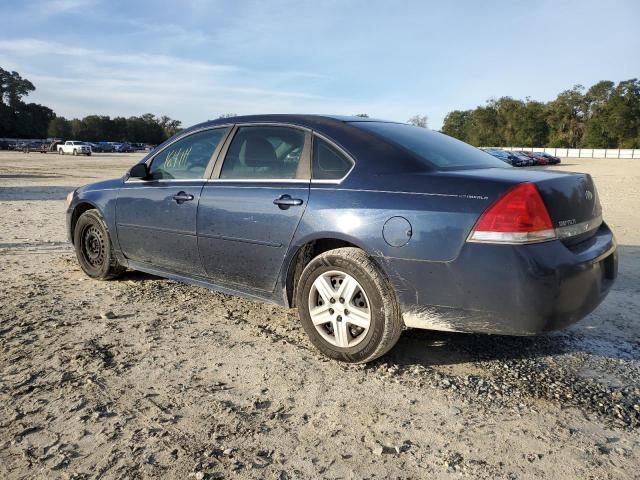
[264,153]
[187,158]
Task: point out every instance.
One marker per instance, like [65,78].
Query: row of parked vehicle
[522,158]
[44,146]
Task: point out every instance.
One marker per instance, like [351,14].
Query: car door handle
[182,197]
[285,201]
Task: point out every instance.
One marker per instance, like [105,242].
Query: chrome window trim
[346,154]
[259,180]
[166,180]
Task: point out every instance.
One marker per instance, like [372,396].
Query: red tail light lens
[519,216]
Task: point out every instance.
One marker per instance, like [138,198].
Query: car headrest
[258,152]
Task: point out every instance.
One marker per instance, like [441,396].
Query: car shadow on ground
[28,175]
[432,348]
[35,192]
[135,276]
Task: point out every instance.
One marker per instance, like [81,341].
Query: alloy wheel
[339,309]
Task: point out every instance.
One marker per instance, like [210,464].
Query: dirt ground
[145,378]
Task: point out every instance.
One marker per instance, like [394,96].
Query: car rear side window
[328,162]
[436,149]
[264,153]
[188,157]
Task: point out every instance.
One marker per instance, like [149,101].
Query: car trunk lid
[571,198]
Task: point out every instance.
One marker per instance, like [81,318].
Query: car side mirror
[140,170]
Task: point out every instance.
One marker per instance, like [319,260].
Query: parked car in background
[364,226]
[538,159]
[95,147]
[507,157]
[74,147]
[124,148]
[5,145]
[553,160]
[35,146]
[525,159]
[105,147]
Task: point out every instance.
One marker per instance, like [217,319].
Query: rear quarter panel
[440,223]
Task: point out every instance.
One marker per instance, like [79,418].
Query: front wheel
[93,247]
[75,152]
[347,306]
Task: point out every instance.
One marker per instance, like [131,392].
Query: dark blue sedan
[365,226]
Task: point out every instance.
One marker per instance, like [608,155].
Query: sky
[194,60]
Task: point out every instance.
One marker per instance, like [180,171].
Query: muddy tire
[94,249]
[347,306]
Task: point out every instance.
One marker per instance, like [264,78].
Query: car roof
[305,120]
[342,130]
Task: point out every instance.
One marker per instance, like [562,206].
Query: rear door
[156,218]
[251,207]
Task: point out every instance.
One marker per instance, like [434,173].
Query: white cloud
[36,47]
[54,7]
[77,81]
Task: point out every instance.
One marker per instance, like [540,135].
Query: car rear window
[436,149]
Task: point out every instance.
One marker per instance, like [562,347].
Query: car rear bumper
[507,289]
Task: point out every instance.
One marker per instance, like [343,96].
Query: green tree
[533,128]
[566,118]
[13,87]
[483,127]
[456,124]
[419,121]
[59,127]
[170,126]
[624,114]
[597,129]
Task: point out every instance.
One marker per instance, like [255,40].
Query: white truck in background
[73,147]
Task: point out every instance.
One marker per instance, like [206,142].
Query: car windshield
[436,149]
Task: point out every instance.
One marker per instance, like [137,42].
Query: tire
[373,294]
[94,249]
[75,152]
[89,154]
[60,151]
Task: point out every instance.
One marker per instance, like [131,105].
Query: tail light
[519,216]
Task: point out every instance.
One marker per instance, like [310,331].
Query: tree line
[604,116]
[30,120]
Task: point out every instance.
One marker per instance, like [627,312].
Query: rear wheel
[93,247]
[60,151]
[347,306]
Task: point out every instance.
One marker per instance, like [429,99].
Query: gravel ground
[145,378]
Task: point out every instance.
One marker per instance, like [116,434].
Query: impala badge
[588,195]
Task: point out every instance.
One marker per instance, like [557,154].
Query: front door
[156,218]
[248,215]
